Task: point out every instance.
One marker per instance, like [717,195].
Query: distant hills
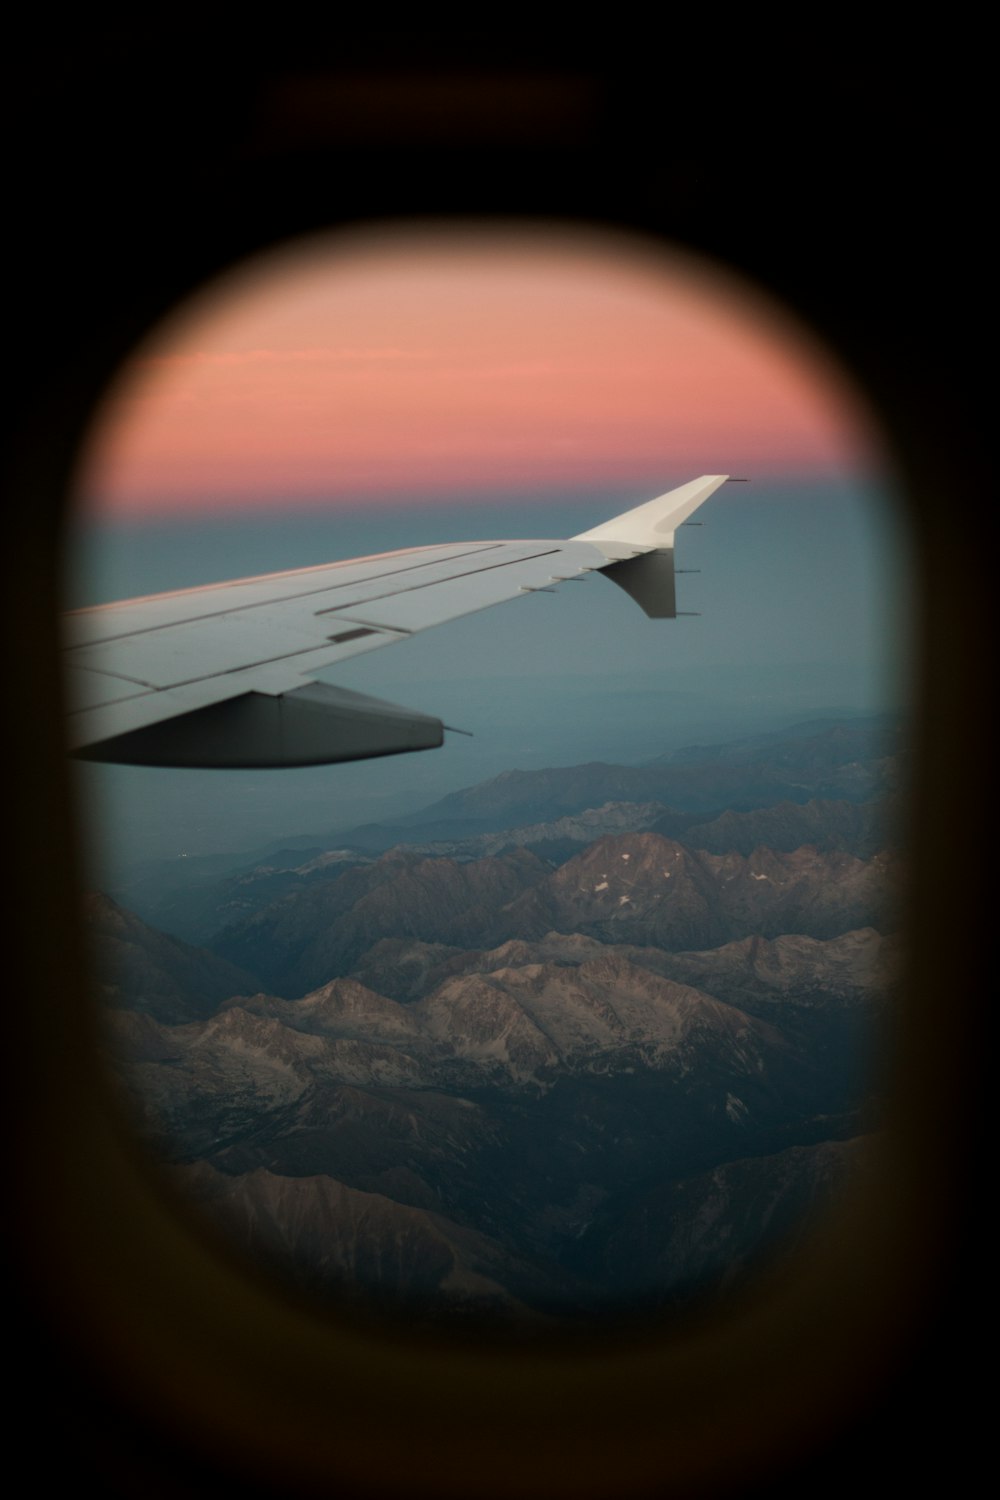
[853,761]
[833,785]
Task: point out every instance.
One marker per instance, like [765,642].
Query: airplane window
[578,1018]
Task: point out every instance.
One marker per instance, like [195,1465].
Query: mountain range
[541,1076]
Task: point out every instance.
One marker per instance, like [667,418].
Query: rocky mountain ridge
[628,888]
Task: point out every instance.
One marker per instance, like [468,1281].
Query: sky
[397,386]
[384,365]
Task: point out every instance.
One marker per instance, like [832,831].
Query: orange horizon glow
[396,363]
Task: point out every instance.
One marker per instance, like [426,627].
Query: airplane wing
[220,676]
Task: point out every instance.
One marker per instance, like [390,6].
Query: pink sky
[396,363]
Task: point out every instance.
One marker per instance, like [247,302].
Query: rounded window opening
[577,1017]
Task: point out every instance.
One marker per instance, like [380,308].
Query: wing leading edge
[220,676]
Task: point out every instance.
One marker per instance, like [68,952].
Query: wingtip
[652,525]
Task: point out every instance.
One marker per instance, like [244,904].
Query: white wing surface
[221,676]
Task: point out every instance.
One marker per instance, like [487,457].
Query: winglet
[639,545]
[652,525]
